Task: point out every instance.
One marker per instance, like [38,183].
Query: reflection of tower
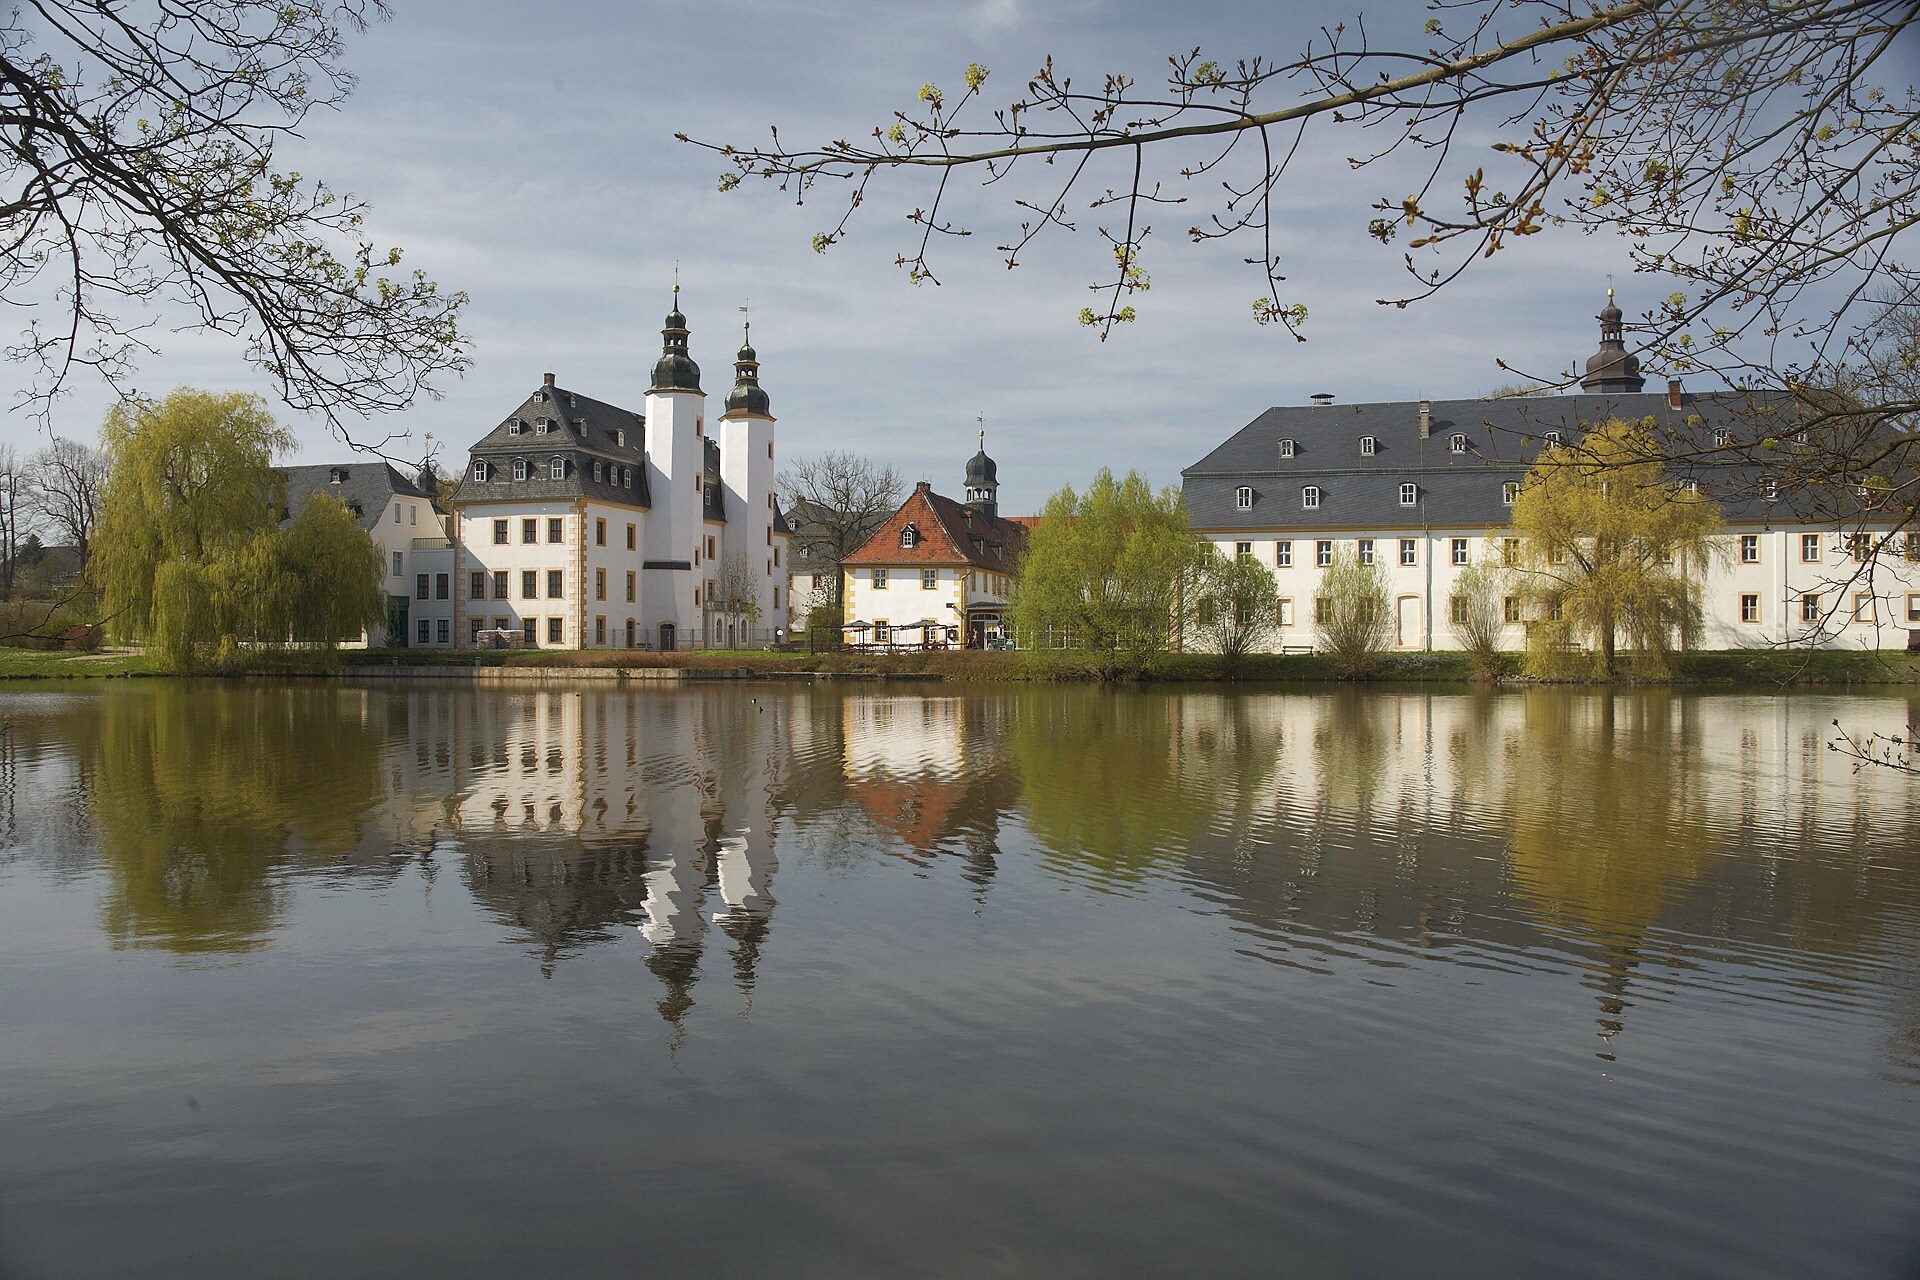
[675,890]
[747,864]
[982,861]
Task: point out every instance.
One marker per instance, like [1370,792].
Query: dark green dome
[675,369]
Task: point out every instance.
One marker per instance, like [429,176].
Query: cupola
[1612,370]
[747,396]
[983,482]
[675,369]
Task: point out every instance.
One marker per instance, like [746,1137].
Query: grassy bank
[1756,668]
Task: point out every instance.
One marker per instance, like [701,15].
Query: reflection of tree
[558,893]
[197,793]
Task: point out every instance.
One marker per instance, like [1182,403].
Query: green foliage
[189,555]
[1236,605]
[1476,613]
[1609,547]
[1350,614]
[1105,571]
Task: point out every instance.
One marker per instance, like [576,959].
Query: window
[1363,550]
[1309,497]
[1858,546]
[929,579]
[1863,606]
[499,584]
[527,626]
[1242,550]
[1457,610]
[480,470]
[599,584]
[1749,548]
[519,468]
[1509,552]
[626,477]
[441,586]
[1243,498]
[1208,611]
[879,579]
[1456,443]
[1409,493]
[1769,488]
[543,425]
[709,546]
[515,426]
[1323,552]
[556,583]
[596,470]
[1283,612]
[499,532]
[556,529]
[776,557]
[419,586]
[1912,546]
[477,585]
[529,584]
[1283,553]
[909,536]
[1368,446]
[556,630]
[413,514]
[1691,486]
[1722,437]
[1749,608]
[1286,448]
[1810,607]
[396,515]
[1409,551]
[1459,550]
[599,629]
[557,468]
[630,537]
[882,632]
[529,531]
[599,533]
[1551,439]
[399,564]
[1509,491]
[423,632]
[1810,548]
[443,630]
[474,626]
[1322,610]
[1913,606]
[1510,608]
[1557,554]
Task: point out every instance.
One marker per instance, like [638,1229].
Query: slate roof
[712,505]
[1464,490]
[365,485]
[949,533]
[584,429]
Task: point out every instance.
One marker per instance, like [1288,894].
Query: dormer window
[1770,487]
[543,426]
[481,471]
[1508,492]
[620,436]
[336,474]
[597,470]
[540,395]
[1551,439]
[1368,446]
[1286,448]
[1457,443]
[519,468]
[1722,437]
[1243,498]
[1310,497]
[557,468]
[626,477]
[1409,493]
[515,426]
[909,536]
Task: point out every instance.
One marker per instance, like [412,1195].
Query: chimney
[549,380]
[924,486]
[1322,398]
[1674,400]
[1426,418]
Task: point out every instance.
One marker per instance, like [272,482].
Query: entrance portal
[666,637]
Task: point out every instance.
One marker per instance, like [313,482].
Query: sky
[525,153]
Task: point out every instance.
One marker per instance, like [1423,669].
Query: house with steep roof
[937,571]
[414,549]
[581,524]
[1425,489]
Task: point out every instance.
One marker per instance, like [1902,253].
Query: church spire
[1612,370]
[983,477]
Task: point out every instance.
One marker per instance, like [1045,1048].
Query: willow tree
[1350,614]
[1610,545]
[189,554]
[1107,570]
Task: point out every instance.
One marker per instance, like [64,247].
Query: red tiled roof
[949,533]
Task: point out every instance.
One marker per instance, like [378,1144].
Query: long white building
[1426,488]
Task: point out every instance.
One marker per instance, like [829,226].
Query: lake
[323,979]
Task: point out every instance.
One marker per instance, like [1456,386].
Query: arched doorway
[631,636]
[666,637]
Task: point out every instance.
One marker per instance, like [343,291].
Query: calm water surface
[316,980]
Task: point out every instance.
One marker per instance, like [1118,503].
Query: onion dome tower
[983,482]
[1612,370]
[747,396]
[675,369]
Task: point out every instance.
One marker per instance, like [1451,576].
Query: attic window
[335,475]
[596,471]
[909,536]
[1310,497]
[543,426]
[557,468]
[540,395]
[481,471]
[1368,446]
[1409,493]
[626,478]
[515,426]
[519,468]
[1551,439]
[1286,448]
[620,436]
[1722,437]
[1456,443]
[1508,492]
[1243,498]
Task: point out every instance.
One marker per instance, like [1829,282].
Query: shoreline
[1756,668]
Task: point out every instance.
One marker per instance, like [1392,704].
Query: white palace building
[1425,489]
[582,525]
